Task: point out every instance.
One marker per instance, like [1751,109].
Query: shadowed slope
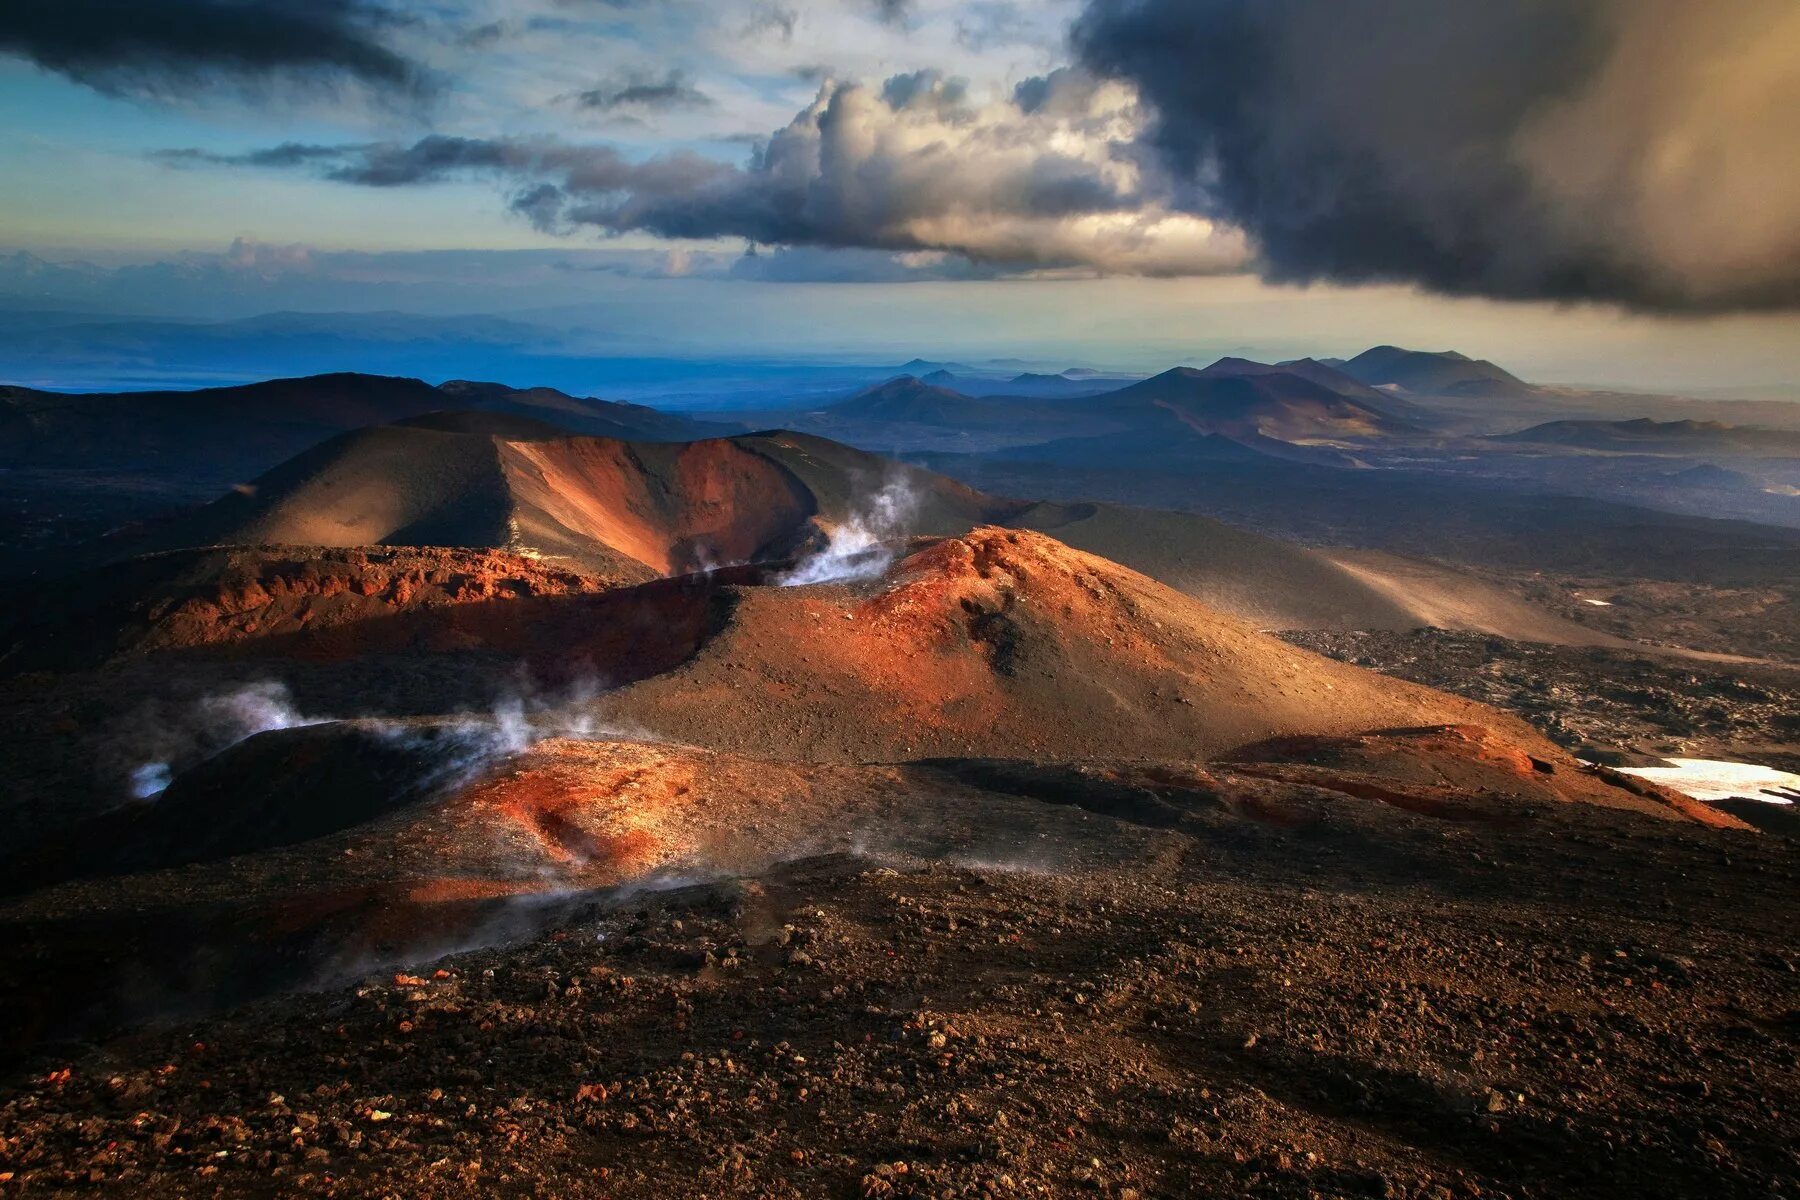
[1274,585]
[1435,373]
[1278,405]
[581,414]
[238,432]
[218,431]
[382,486]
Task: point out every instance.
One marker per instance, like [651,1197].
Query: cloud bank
[1047,177]
[1641,152]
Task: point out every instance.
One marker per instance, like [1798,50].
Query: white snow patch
[1710,779]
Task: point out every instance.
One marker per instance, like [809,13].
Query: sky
[1589,191]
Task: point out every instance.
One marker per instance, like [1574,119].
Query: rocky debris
[1449,1011]
[1610,706]
[1757,616]
[230,595]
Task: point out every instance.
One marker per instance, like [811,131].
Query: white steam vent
[862,545]
[217,723]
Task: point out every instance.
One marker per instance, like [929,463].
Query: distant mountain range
[64,349]
[1232,397]
[1033,385]
[238,432]
[1234,409]
[909,399]
[1373,377]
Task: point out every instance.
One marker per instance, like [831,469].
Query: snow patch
[1711,779]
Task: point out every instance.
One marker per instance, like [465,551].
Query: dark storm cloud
[174,46]
[644,93]
[1538,149]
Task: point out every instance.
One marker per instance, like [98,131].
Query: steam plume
[861,547]
[216,723]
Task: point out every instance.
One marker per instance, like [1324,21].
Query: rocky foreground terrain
[1359,1001]
[1001,871]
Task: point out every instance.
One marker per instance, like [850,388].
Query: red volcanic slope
[623,510]
[606,505]
[1006,643]
[331,597]
[597,813]
[669,507]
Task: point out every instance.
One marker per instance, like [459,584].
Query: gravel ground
[1572,1003]
[1630,708]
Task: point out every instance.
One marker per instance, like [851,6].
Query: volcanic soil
[1351,1000]
[1012,871]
